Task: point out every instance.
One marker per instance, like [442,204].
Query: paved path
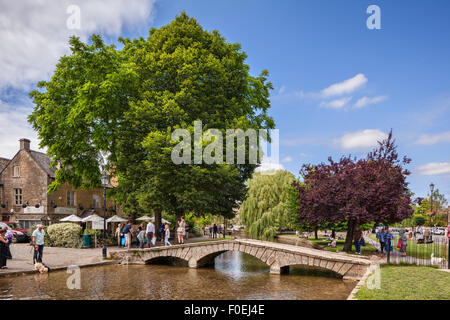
[55,257]
[22,260]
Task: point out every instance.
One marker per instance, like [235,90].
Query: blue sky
[338,85]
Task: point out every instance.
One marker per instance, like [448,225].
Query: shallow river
[235,276]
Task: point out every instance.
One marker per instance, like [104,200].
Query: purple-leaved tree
[373,189]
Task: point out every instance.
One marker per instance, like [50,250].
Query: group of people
[213,230]
[385,238]
[146,235]
[6,236]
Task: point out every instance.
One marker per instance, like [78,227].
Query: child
[141,237]
[166,235]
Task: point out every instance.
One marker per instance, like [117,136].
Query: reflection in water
[235,276]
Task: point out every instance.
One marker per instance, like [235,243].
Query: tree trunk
[349,237]
[333,234]
[158,222]
[316,236]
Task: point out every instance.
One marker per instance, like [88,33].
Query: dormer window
[16,172]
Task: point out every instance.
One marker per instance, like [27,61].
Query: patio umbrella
[71,218]
[162,220]
[92,218]
[116,218]
[144,218]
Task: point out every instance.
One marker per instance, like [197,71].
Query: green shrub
[197,230]
[65,235]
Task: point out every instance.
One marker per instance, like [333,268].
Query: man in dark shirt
[127,234]
[357,236]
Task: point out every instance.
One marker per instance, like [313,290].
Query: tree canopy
[373,189]
[128,102]
[267,208]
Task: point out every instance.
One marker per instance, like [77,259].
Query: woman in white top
[167,235]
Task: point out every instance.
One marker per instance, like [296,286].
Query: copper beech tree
[373,189]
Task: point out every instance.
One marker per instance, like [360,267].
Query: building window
[29,224]
[96,199]
[16,173]
[18,197]
[71,198]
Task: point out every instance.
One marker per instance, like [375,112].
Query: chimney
[24,144]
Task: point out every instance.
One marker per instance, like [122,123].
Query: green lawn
[365,251]
[409,283]
[422,251]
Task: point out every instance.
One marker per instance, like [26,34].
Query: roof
[3,163]
[44,161]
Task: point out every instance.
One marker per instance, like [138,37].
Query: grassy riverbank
[409,283]
[367,250]
[422,251]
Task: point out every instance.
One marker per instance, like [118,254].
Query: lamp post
[105,181]
[431,202]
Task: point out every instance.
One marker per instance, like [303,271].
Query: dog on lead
[40,267]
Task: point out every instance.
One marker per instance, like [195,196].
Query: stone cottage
[24,182]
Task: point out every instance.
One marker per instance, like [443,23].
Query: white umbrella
[71,218]
[116,218]
[162,220]
[144,218]
[92,218]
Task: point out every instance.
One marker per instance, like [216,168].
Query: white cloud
[345,87]
[269,167]
[34,34]
[282,90]
[365,101]
[434,168]
[287,159]
[15,127]
[428,139]
[362,139]
[337,103]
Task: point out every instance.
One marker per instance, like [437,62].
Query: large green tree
[128,102]
[267,208]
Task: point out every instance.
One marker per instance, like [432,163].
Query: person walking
[180,231]
[185,229]
[9,236]
[127,234]
[3,248]
[404,242]
[139,229]
[166,235]
[150,230]
[357,236]
[38,237]
[141,237]
[380,239]
[119,235]
[388,237]
[162,231]
[215,229]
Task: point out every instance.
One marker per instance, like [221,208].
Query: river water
[235,275]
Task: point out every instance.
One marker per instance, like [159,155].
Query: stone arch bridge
[279,257]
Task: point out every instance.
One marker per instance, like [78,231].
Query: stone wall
[32,181]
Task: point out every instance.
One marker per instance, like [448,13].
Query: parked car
[439,231]
[19,235]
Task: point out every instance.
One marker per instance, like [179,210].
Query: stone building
[24,182]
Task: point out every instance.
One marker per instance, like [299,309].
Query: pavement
[57,257]
[54,257]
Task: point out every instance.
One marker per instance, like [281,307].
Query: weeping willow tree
[267,208]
